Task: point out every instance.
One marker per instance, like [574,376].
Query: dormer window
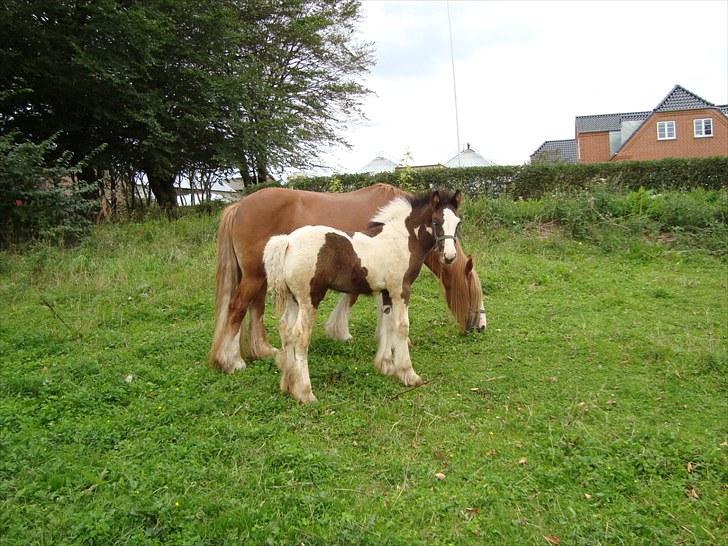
[665,130]
[703,128]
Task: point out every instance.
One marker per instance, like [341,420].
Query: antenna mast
[454,86]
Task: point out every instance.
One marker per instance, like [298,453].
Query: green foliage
[334,184]
[39,197]
[592,409]
[535,180]
[697,214]
[176,86]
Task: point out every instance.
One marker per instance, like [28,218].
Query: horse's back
[276,211]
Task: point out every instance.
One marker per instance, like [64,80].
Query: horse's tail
[229,275]
[274,258]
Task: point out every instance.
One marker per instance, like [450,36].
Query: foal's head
[445,223]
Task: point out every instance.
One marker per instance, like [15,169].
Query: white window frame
[699,128]
[666,125]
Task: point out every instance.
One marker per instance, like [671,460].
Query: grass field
[593,410]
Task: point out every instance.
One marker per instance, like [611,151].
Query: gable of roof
[556,150]
[682,99]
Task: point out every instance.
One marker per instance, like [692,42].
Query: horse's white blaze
[449,226]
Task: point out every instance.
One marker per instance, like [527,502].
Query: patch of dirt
[546,230]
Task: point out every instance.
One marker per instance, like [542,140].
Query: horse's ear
[435,199]
[469,265]
[456,198]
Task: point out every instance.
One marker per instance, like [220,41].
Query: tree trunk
[161,182]
[262,172]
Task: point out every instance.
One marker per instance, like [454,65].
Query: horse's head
[445,222]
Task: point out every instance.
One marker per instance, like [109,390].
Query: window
[665,130]
[703,127]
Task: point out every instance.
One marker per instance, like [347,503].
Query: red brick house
[682,125]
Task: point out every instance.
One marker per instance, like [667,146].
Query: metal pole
[454,86]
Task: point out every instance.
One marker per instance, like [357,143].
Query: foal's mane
[423,198]
[397,208]
[400,207]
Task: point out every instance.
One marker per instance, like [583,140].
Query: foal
[385,259]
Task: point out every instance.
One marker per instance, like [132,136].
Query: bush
[538,179]
[39,199]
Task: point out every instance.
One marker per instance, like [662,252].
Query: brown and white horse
[245,228]
[385,259]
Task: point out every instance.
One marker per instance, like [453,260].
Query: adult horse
[245,228]
[385,259]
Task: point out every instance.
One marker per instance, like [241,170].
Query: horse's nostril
[481,329]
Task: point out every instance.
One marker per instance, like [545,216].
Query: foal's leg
[402,363]
[285,358]
[298,381]
[337,327]
[383,360]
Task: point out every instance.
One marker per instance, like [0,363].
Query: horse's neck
[432,261]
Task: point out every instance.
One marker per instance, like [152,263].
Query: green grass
[593,409]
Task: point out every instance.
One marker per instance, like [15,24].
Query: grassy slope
[602,375]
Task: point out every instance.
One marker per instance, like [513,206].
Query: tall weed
[699,216]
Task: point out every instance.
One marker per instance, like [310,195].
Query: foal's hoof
[411,379]
[306,398]
[336,334]
[385,365]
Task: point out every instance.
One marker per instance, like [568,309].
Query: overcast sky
[523,71]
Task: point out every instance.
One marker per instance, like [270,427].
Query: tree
[304,64]
[174,85]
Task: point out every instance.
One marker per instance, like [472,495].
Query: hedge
[537,179]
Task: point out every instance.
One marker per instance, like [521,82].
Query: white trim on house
[666,130]
[703,128]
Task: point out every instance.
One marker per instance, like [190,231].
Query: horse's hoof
[264,352]
[237,365]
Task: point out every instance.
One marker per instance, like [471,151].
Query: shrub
[537,179]
[39,198]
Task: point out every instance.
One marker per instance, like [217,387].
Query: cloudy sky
[523,71]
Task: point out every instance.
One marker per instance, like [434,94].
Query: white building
[378,165]
[468,158]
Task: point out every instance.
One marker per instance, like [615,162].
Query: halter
[440,238]
[472,312]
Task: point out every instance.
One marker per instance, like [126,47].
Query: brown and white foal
[384,260]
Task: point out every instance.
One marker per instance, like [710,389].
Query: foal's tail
[229,275]
[274,258]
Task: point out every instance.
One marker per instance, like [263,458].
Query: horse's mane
[461,290]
